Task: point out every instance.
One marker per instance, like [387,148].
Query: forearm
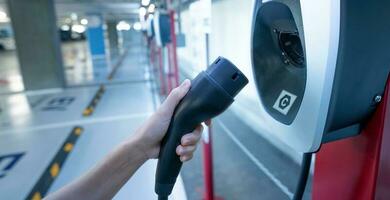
[107,177]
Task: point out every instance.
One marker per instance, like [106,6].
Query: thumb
[175,96]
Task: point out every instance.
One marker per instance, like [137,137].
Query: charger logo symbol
[284,102]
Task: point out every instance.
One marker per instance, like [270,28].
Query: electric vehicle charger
[211,93]
[310,62]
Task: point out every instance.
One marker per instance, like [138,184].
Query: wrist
[136,145]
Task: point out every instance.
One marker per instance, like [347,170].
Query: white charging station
[320,68]
[161,28]
[149,27]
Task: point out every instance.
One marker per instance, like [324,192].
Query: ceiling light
[78,28]
[3,17]
[68,20]
[151,8]
[73,16]
[3,14]
[137,26]
[123,26]
[142,13]
[65,28]
[145,2]
[84,21]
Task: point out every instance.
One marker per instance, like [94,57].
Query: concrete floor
[246,166]
[36,124]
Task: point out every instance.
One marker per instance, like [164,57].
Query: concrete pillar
[37,42]
[113,38]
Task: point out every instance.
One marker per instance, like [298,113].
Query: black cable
[162,197]
[304,174]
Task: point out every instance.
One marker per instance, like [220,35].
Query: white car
[7,42]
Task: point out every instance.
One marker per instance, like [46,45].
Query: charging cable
[304,174]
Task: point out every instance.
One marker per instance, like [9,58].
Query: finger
[175,96]
[185,150]
[186,158]
[193,137]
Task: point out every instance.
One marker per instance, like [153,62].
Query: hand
[154,129]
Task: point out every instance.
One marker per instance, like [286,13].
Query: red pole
[151,52]
[161,71]
[169,74]
[208,165]
[173,47]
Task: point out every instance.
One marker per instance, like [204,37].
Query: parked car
[7,41]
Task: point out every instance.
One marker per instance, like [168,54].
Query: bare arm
[107,177]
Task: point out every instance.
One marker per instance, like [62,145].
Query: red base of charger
[357,168]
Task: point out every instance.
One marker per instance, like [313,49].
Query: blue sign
[95,35]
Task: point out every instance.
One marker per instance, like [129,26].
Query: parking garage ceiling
[112,9]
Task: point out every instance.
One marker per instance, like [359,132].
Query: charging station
[149,27]
[321,69]
[161,27]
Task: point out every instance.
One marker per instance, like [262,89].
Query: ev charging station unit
[161,28]
[321,69]
[162,31]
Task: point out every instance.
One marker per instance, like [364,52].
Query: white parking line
[267,172]
[78,122]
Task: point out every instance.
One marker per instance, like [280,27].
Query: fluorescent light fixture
[142,11]
[137,26]
[151,8]
[78,28]
[3,17]
[84,21]
[68,20]
[123,26]
[65,28]
[73,16]
[145,2]
[3,14]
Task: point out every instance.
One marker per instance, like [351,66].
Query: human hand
[154,129]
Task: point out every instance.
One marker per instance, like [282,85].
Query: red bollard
[173,48]
[208,165]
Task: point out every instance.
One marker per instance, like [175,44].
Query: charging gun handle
[203,101]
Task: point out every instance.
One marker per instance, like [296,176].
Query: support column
[38,44]
[95,36]
[113,37]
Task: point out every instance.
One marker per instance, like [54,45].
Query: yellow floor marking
[78,131]
[87,112]
[54,170]
[68,147]
[37,196]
